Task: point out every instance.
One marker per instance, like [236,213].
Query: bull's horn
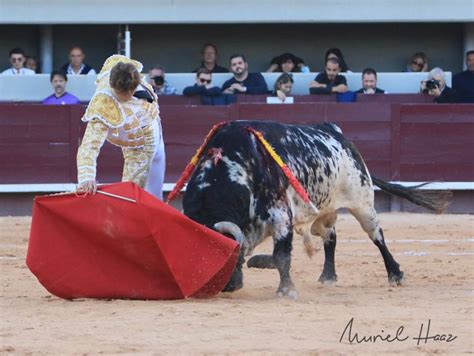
[227,227]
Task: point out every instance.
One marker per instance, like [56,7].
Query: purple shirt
[65,99]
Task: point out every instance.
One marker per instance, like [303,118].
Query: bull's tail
[309,248]
[433,200]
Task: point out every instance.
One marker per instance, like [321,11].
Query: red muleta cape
[99,246]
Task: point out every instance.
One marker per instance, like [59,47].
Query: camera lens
[158,80]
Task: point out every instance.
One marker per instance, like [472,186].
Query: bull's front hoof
[396,279]
[291,293]
[327,279]
[261,261]
[232,287]
[236,282]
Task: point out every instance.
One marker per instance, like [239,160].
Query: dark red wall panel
[436,142]
[408,142]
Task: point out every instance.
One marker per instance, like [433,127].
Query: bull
[239,190]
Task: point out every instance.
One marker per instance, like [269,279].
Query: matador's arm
[94,138]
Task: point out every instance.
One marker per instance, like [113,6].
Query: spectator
[243,82]
[76,63]
[60,96]
[369,83]
[17,60]
[283,86]
[32,63]
[156,78]
[329,81]
[287,63]
[463,83]
[209,59]
[203,85]
[436,86]
[337,54]
[418,63]
[210,95]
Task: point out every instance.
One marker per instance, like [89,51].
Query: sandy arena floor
[435,252]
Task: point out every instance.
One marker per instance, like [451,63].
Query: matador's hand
[87,187]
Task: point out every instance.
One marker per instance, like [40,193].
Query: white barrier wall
[38,87]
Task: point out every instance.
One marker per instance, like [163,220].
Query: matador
[128,119]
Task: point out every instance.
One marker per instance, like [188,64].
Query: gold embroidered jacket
[121,123]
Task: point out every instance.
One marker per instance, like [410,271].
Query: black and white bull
[239,190]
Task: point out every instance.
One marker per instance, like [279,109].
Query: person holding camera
[436,86]
[156,78]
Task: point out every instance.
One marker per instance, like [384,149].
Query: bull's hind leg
[324,227]
[367,218]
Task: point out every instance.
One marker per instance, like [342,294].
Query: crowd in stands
[328,81]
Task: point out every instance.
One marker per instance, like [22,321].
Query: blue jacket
[211,96]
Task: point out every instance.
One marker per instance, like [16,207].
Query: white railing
[38,87]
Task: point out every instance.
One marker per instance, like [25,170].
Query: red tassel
[191,166]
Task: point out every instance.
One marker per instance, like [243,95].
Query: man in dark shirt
[463,82]
[329,81]
[210,95]
[203,85]
[436,87]
[369,83]
[76,64]
[209,59]
[243,82]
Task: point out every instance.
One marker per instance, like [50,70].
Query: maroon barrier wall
[407,142]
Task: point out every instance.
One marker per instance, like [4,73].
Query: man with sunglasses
[417,63]
[17,59]
[203,85]
[210,94]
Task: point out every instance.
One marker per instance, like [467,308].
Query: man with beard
[243,82]
[329,81]
[369,82]
[60,96]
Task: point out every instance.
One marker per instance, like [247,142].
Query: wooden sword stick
[116,196]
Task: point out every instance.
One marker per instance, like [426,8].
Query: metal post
[46,48]
[128,39]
